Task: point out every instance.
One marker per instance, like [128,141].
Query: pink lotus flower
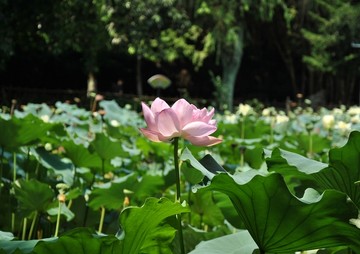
[180,120]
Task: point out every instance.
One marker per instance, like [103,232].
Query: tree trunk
[91,84]
[138,76]
[231,56]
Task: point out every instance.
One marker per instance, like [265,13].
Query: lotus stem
[14,167]
[1,168]
[101,219]
[310,144]
[14,179]
[243,128]
[58,220]
[24,229]
[32,225]
[178,193]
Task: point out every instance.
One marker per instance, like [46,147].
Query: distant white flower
[128,106]
[337,111]
[268,111]
[342,126]
[328,121]
[45,118]
[114,123]
[230,118]
[48,147]
[244,109]
[355,119]
[355,110]
[281,119]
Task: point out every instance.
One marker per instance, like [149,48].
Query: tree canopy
[315,40]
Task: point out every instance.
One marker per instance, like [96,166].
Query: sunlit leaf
[288,163]
[238,243]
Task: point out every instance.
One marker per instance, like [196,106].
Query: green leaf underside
[280,160]
[238,243]
[187,156]
[280,222]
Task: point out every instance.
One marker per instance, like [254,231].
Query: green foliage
[333,29]
[280,222]
[287,202]
[33,196]
[141,227]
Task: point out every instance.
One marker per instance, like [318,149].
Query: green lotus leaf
[17,132]
[280,222]
[289,163]
[80,241]
[343,172]
[111,195]
[80,155]
[33,195]
[106,148]
[140,225]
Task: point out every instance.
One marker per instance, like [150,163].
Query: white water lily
[114,123]
[268,111]
[337,111]
[244,109]
[353,111]
[355,119]
[343,126]
[281,119]
[45,118]
[328,121]
[230,118]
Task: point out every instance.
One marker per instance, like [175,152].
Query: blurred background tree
[332,61]
[238,49]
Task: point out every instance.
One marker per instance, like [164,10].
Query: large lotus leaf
[122,116]
[289,163]
[160,241]
[55,163]
[140,225]
[81,156]
[193,236]
[33,195]
[106,148]
[79,241]
[15,247]
[344,169]
[204,210]
[238,243]
[111,195]
[227,209]
[279,222]
[17,132]
[187,156]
